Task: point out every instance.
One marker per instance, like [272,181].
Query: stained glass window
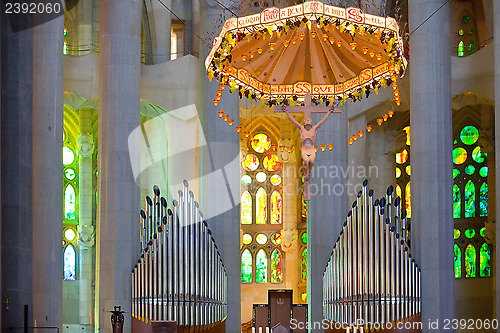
[408,199]
[477,155]
[250,163]
[69,174]
[484,261]
[470,169]
[247,239]
[471,47]
[261,143]
[402,157]
[455,173]
[408,170]
[470,233]
[458,262]
[303,265]
[68,156]
[483,172]
[261,239]
[276,208]
[398,172]
[246,180]
[275,180]
[461,49]
[457,203]
[303,297]
[271,162]
[261,206]
[69,258]
[304,238]
[276,274]
[261,266]
[261,177]
[481,232]
[456,234]
[470,199]
[398,190]
[276,238]
[469,135]
[69,234]
[483,200]
[470,261]
[459,155]
[246,266]
[303,209]
[69,203]
[246,208]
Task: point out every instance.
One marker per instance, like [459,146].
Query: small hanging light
[294,40]
[353,45]
[282,148]
[271,46]
[385,116]
[379,56]
[325,37]
[339,43]
[332,40]
[369,128]
[225,117]
[313,34]
[390,113]
[247,134]
[251,53]
[273,147]
[365,50]
[316,149]
[243,57]
[230,122]
[259,50]
[286,43]
[289,148]
[361,133]
[380,121]
[355,137]
[220,112]
[216,101]
[238,129]
[372,54]
[323,147]
[330,146]
[350,140]
[301,36]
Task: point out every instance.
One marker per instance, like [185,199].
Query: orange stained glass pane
[271,162]
[402,157]
[304,209]
[276,208]
[407,130]
[246,208]
[276,273]
[261,143]
[398,191]
[408,200]
[250,163]
[261,206]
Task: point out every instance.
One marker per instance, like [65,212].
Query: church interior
[120,150]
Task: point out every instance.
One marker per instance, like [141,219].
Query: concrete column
[17,173]
[118,205]
[380,152]
[326,212]
[162,29]
[496,11]
[220,174]
[195,26]
[431,163]
[86,232]
[47,171]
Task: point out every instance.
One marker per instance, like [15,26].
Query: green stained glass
[470,233]
[69,174]
[484,261]
[481,232]
[483,200]
[303,265]
[455,173]
[470,199]
[470,261]
[261,266]
[461,32]
[459,155]
[304,238]
[455,142]
[276,273]
[470,169]
[471,31]
[483,172]
[68,156]
[471,47]
[478,156]
[469,135]
[466,19]
[457,202]
[69,203]
[246,266]
[460,49]
[458,262]
[456,234]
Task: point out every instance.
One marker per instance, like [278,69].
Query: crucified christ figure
[308,133]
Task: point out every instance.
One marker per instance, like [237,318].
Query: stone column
[326,212]
[162,30]
[85,228]
[47,171]
[118,203]
[431,163]
[195,26]
[220,174]
[17,173]
[496,11]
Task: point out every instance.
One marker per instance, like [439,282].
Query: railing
[179,275]
[371,276]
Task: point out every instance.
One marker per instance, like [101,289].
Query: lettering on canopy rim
[354,14]
[270,14]
[291,11]
[300,88]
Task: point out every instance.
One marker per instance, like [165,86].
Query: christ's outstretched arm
[292,119]
[323,120]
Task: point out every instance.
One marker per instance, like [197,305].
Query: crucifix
[308,133]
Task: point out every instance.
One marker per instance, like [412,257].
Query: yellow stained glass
[261,143]
[402,157]
[276,208]
[250,163]
[271,162]
[407,130]
[408,170]
[408,200]
[398,191]
[246,208]
[261,206]
[247,239]
[398,172]
[275,180]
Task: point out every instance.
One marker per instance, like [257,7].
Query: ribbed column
[118,203]
[431,163]
[326,211]
[496,9]
[47,171]
[17,173]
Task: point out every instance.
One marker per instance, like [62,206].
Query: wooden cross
[309,108]
[6,302]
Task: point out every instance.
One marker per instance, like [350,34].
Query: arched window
[303,265]
[246,208]
[276,207]
[458,262]
[408,199]
[69,203]
[457,203]
[484,261]
[246,266]
[483,200]
[69,257]
[461,49]
[276,274]
[471,47]
[261,266]
[470,261]
[261,206]
[470,199]
[403,173]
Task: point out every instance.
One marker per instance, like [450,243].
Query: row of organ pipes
[371,276]
[180,275]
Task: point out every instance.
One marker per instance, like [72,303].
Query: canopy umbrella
[280,55]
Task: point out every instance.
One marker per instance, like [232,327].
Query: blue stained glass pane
[69,258]
[470,199]
[456,202]
[483,200]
